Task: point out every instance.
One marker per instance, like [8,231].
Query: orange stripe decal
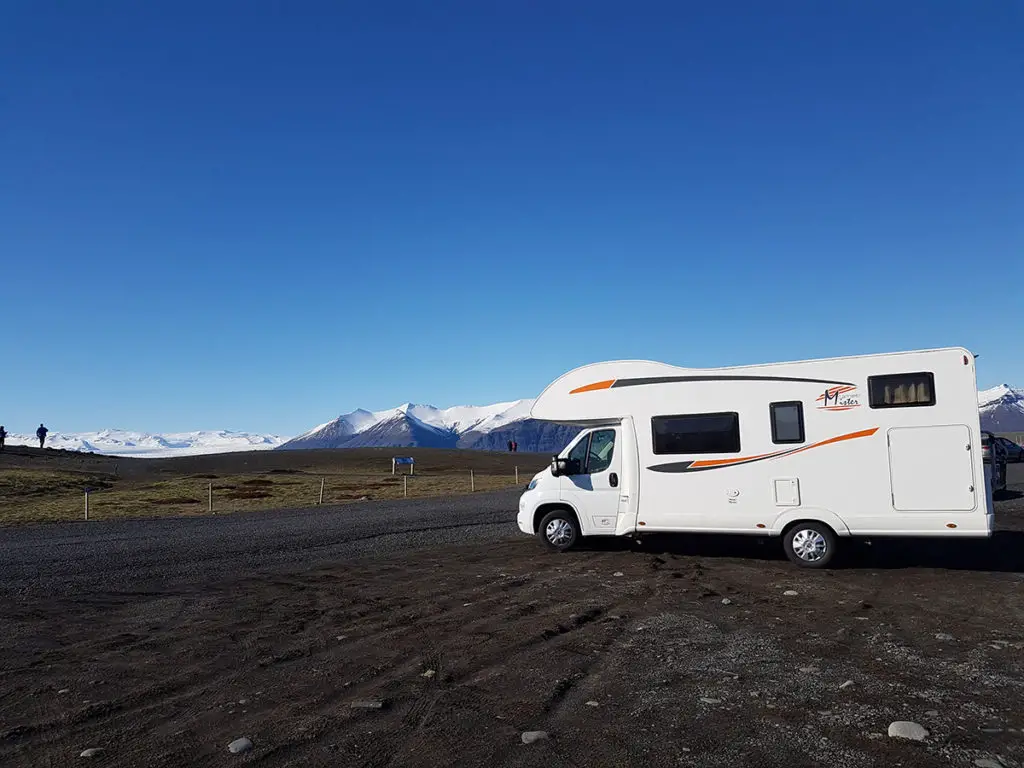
[723,462]
[839,439]
[705,463]
[593,387]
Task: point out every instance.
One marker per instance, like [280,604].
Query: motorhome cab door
[594,482]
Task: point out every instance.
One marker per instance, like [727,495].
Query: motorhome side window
[602,445]
[787,422]
[593,453]
[697,433]
[901,390]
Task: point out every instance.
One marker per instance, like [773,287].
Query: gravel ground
[65,559]
[325,638]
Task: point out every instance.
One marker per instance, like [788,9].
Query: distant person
[41,434]
[510,446]
[515,447]
[3,436]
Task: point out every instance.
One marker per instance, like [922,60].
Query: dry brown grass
[44,495]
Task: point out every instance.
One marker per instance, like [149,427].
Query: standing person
[3,436]
[510,446]
[515,447]
[41,434]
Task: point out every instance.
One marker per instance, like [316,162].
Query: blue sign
[403,460]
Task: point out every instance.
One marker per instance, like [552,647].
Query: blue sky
[256,215]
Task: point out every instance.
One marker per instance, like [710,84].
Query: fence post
[211,498]
[393,462]
[86,503]
[405,486]
[472,482]
[517,475]
[322,480]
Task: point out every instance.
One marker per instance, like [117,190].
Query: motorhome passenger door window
[787,422]
[578,456]
[901,390]
[697,433]
[602,446]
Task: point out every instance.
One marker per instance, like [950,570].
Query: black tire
[810,544]
[564,530]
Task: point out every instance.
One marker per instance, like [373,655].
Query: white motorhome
[811,451]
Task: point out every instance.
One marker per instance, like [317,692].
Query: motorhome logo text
[841,398]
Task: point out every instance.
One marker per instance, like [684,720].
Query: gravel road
[69,558]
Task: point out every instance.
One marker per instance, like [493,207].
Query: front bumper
[525,516]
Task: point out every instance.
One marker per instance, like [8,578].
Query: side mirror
[559,466]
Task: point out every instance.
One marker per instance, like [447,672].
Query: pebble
[341,637]
[62,691]
[618,573]
[987,762]
[726,601]
[944,636]
[904,729]
[243,701]
[367,704]
[710,701]
[97,751]
[529,737]
[429,673]
[932,713]
[809,670]
[593,704]
[238,746]
[847,684]
[791,593]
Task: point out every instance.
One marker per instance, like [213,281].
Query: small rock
[464,605]
[97,751]
[429,673]
[809,670]
[367,704]
[876,735]
[945,636]
[529,737]
[341,637]
[243,701]
[618,573]
[847,684]
[238,746]
[707,700]
[932,713]
[62,691]
[988,762]
[791,593]
[904,729]
[726,601]
[593,704]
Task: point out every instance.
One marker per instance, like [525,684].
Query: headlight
[532,485]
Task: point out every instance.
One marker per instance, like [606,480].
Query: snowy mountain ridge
[458,419]
[1002,409]
[123,442]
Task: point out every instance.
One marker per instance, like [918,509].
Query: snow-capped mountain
[487,427]
[1002,409]
[121,442]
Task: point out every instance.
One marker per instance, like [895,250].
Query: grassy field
[38,486]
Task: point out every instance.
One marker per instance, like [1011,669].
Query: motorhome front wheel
[810,545]
[559,530]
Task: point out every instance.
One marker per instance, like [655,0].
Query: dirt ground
[675,652]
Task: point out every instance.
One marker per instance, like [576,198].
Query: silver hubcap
[559,532]
[809,545]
